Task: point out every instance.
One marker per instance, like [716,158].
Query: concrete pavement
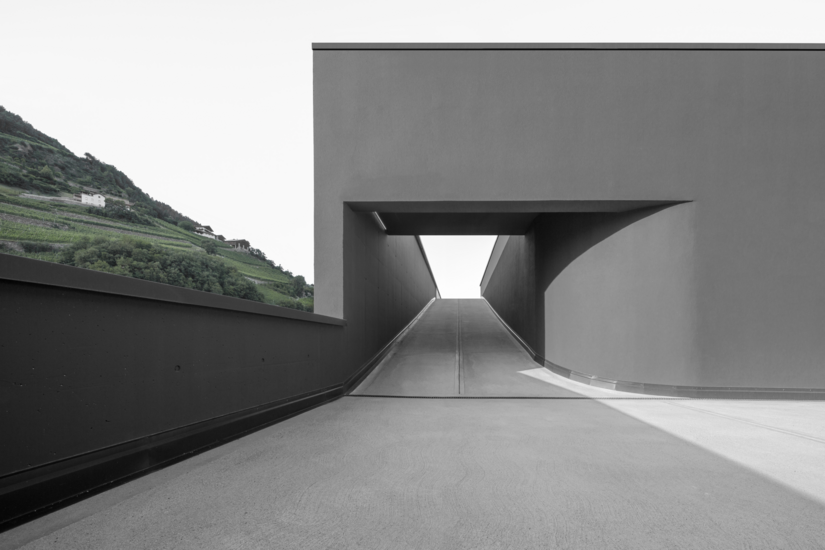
[458,348]
[386,472]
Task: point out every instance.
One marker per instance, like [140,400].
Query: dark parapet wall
[106,376]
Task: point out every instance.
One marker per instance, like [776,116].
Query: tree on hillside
[186,225]
[117,210]
[298,284]
[144,260]
[211,247]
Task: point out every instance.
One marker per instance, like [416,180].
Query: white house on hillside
[205,231]
[96,199]
[93,200]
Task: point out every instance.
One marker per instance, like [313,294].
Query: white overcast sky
[207,105]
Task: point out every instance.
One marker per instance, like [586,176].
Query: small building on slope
[205,231]
[241,245]
[92,199]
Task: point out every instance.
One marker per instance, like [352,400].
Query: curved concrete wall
[740,134]
[608,294]
[616,295]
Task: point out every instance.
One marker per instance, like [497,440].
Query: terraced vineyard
[150,241]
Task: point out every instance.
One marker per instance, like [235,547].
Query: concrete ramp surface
[379,470]
[457,348]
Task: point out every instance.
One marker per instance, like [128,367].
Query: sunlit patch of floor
[782,440]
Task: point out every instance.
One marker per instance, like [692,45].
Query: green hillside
[150,240]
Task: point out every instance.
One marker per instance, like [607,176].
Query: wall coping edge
[27,270]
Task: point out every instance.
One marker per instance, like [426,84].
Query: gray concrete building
[662,208]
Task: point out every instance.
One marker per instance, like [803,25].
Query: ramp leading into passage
[457,348]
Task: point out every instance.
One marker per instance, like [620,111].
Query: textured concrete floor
[384,472]
[458,347]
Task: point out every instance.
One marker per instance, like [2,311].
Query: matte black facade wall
[83,370]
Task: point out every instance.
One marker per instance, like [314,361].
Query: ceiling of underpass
[457,223]
[481,217]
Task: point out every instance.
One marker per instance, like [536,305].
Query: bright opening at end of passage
[458,262]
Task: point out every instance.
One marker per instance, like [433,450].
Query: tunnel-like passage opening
[602,288]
